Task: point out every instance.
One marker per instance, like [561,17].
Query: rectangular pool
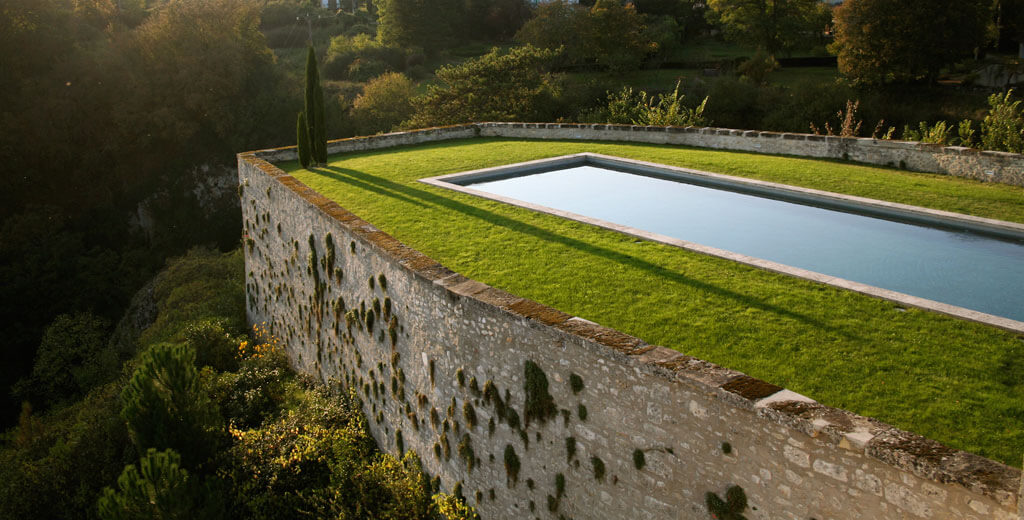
[961,261]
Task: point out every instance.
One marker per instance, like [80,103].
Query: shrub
[73,358]
[965,133]
[319,458]
[848,123]
[738,104]
[1003,127]
[628,107]
[757,68]
[214,345]
[449,507]
[639,460]
[256,391]
[538,405]
[939,133]
[599,469]
[196,286]
[385,102]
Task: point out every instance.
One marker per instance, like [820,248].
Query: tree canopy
[883,41]
[608,35]
[516,86]
[773,25]
[427,24]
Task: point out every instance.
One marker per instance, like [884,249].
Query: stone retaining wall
[530,412]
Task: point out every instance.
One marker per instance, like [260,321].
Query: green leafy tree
[314,110]
[385,102]
[883,41]
[166,407]
[608,35]
[158,488]
[427,24]
[495,20]
[773,25]
[516,86]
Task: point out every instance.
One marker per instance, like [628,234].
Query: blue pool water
[955,267]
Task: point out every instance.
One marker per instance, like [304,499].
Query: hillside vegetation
[204,420]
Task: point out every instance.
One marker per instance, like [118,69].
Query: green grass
[958,382]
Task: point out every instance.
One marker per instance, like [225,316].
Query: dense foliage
[881,41]
[773,25]
[210,424]
[608,35]
[386,102]
[122,110]
[512,86]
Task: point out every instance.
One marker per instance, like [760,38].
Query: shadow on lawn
[425,198]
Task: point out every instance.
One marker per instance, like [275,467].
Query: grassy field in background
[958,382]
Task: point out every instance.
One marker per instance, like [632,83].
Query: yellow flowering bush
[263,343]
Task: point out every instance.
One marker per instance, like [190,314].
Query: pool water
[952,266]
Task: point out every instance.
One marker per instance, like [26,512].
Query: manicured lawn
[957,382]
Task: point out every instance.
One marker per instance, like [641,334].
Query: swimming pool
[957,264]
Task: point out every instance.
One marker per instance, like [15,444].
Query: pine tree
[302,138]
[314,108]
[160,488]
[165,407]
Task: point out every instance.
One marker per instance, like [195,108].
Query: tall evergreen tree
[314,102]
[166,408]
[302,138]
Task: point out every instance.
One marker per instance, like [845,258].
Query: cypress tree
[321,125]
[302,137]
[314,102]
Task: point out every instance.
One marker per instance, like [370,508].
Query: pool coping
[882,208]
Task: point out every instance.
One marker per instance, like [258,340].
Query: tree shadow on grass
[424,198]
